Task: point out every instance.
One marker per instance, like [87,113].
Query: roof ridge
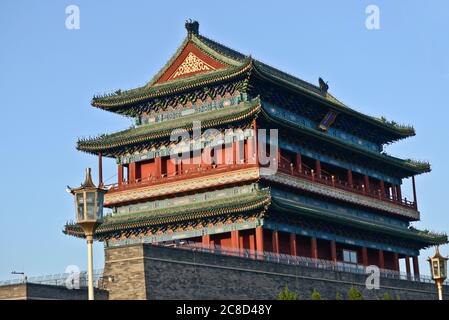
[241,56]
[264,64]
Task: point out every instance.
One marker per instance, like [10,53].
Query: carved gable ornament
[191,64]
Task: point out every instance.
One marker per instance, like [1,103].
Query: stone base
[152,272]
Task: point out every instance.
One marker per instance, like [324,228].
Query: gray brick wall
[124,275]
[151,272]
[33,291]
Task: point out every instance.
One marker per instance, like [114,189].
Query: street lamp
[438,270]
[89,215]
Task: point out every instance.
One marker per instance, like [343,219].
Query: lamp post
[438,270]
[89,215]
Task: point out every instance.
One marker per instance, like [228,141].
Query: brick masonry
[152,272]
[124,274]
[33,291]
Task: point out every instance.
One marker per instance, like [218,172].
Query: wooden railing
[305,173]
[333,181]
[192,172]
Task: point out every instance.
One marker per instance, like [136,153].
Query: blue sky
[48,75]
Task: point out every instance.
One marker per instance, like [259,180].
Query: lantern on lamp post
[438,270]
[89,215]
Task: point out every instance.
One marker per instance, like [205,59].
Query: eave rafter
[296,85]
[106,143]
[235,64]
[259,200]
[177,86]
[424,237]
[411,167]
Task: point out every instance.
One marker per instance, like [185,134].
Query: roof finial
[88,183]
[323,85]
[192,27]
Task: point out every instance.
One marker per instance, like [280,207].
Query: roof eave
[400,134]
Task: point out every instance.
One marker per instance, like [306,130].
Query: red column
[414,193]
[251,150]
[100,169]
[318,168]
[299,163]
[382,188]
[396,262]
[314,248]
[259,239]
[234,152]
[364,256]
[293,244]
[206,240]
[252,146]
[366,183]
[229,152]
[350,182]
[278,157]
[394,193]
[381,259]
[132,172]
[120,174]
[158,162]
[407,265]
[415,266]
[235,239]
[252,242]
[333,251]
[398,189]
[275,237]
[256,149]
[387,192]
[239,157]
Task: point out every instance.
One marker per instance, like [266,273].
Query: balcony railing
[306,173]
[268,256]
[66,279]
[192,172]
[333,181]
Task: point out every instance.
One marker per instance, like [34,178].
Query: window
[90,204]
[349,256]
[80,205]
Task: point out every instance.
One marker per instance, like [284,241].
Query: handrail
[337,183]
[338,266]
[61,279]
[281,258]
[193,172]
[288,168]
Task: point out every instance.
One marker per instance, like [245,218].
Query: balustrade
[191,172]
[304,172]
[333,181]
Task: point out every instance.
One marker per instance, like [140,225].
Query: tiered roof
[108,143]
[247,203]
[204,69]
[426,238]
[231,65]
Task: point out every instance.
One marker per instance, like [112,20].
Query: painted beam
[339,239]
